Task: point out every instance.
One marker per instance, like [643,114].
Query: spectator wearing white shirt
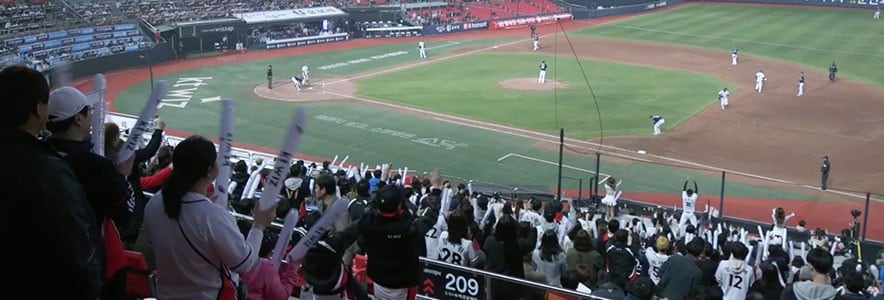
[196,242]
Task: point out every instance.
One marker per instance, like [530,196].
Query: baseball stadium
[475,110]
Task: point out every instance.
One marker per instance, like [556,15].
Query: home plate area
[315,90]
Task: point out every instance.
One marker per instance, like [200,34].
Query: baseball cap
[66,102]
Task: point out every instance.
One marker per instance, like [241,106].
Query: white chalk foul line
[578,143]
[548,162]
[448,44]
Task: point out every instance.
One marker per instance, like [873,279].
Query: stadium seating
[44,50]
[462,11]
[17,16]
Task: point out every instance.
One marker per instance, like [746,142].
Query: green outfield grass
[365,133]
[627,95]
[805,35]
[241,78]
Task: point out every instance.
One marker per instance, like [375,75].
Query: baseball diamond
[459,106]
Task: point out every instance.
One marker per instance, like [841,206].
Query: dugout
[380,16]
[201,36]
[309,25]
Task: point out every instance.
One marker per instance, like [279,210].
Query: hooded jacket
[809,290]
[735,278]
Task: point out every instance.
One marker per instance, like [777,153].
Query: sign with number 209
[445,283]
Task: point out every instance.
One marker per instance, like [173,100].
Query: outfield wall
[159,53]
[867,4]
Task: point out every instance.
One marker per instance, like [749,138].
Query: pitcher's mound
[319,89]
[530,84]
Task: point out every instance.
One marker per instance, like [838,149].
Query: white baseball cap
[65,102]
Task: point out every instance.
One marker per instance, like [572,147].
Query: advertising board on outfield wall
[870,4]
[525,21]
[457,27]
[310,40]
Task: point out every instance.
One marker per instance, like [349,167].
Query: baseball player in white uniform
[657,122]
[877,14]
[722,97]
[305,73]
[297,81]
[801,84]
[688,205]
[760,78]
[734,57]
[536,43]
[541,79]
[422,48]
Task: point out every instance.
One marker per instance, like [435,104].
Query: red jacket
[156,180]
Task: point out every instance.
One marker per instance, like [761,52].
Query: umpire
[270,76]
[824,172]
[832,70]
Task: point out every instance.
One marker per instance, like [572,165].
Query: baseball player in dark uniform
[832,70]
[541,79]
[801,84]
[824,172]
[533,29]
[270,76]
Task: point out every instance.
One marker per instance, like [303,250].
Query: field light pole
[561,153]
[579,185]
[146,57]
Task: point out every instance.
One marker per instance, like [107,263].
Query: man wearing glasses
[103,181]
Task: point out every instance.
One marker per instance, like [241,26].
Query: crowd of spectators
[72,197]
[44,60]
[96,13]
[170,11]
[22,15]
[262,34]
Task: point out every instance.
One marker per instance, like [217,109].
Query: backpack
[621,263]
[356,208]
[126,275]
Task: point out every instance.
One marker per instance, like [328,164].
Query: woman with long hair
[769,286]
[455,247]
[777,235]
[584,253]
[197,243]
[550,259]
[612,194]
[505,250]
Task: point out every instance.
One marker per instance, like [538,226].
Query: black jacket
[507,260]
[393,246]
[142,155]
[106,189]
[47,222]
